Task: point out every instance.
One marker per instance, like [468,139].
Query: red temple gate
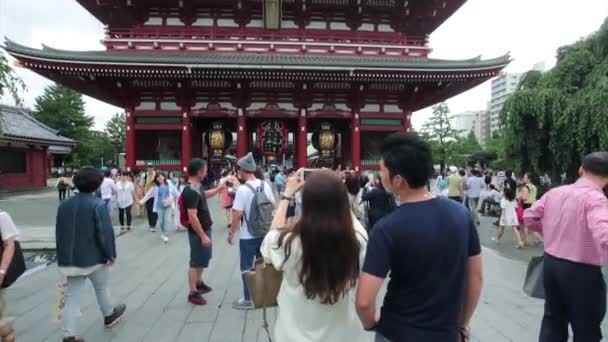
[178,67]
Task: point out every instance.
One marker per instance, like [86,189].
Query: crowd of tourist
[336,237]
[500,195]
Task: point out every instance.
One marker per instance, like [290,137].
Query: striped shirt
[573,220]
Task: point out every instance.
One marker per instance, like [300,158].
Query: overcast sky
[531,30]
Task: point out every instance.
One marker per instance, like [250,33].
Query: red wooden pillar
[407,121]
[302,140]
[130,139]
[186,138]
[355,142]
[241,134]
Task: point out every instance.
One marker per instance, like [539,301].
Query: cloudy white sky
[531,30]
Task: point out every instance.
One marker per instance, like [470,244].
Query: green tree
[495,148]
[116,131]
[63,109]
[99,150]
[440,134]
[463,149]
[9,81]
[556,118]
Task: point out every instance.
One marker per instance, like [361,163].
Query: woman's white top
[124,194]
[152,193]
[304,320]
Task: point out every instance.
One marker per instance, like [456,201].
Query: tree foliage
[9,81]
[440,134]
[557,117]
[63,109]
[116,131]
[463,149]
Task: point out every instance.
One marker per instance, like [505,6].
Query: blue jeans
[107,203]
[71,311]
[164,216]
[250,250]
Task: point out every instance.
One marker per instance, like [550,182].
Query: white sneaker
[242,304]
[165,238]
[152,229]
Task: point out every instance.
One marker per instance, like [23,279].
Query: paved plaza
[150,277]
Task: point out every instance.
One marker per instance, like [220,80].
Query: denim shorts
[199,255]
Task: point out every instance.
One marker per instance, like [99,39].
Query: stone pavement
[150,277]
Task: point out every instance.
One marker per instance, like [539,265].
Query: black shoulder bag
[17,266]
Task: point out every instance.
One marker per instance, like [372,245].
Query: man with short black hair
[509,182]
[429,245]
[573,220]
[199,229]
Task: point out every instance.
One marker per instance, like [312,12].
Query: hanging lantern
[324,140]
[218,139]
[272,139]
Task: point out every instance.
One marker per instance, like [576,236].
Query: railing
[158,120]
[381,122]
[252,34]
[159,162]
[370,162]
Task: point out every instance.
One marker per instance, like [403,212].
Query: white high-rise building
[482,127]
[502,87]
[468,121]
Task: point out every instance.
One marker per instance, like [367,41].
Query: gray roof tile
[226,60]
[19,124]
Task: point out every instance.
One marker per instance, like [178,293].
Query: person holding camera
[320,257]
[227,194]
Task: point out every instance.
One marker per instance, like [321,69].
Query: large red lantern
[272,138]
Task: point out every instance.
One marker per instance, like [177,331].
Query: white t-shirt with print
[242,202]
[7,226]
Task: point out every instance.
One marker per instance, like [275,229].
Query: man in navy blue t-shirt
[429,245]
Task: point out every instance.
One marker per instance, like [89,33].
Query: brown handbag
[264,283]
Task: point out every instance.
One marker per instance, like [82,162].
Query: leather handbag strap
[264,303]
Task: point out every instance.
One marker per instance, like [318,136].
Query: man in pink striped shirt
[573,220]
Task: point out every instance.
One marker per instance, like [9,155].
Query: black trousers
[575,294]
[62,193]
[121,216]
[152,216]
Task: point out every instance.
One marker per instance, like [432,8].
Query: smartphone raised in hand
[306,173]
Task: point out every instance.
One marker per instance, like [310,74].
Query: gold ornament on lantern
[218,139]
[324,140]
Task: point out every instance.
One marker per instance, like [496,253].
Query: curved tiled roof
[232,60]
[19,124]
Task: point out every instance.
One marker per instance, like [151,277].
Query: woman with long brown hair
[320,256]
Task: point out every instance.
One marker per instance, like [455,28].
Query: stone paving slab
[150,277]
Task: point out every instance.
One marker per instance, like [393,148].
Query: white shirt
[495,195]
[124,194]
[242,202]
[106,188]
[474,185]
[301,319]
[7,226]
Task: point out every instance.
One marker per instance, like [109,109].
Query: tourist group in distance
[330,239]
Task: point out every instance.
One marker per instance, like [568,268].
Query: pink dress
[225,198]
